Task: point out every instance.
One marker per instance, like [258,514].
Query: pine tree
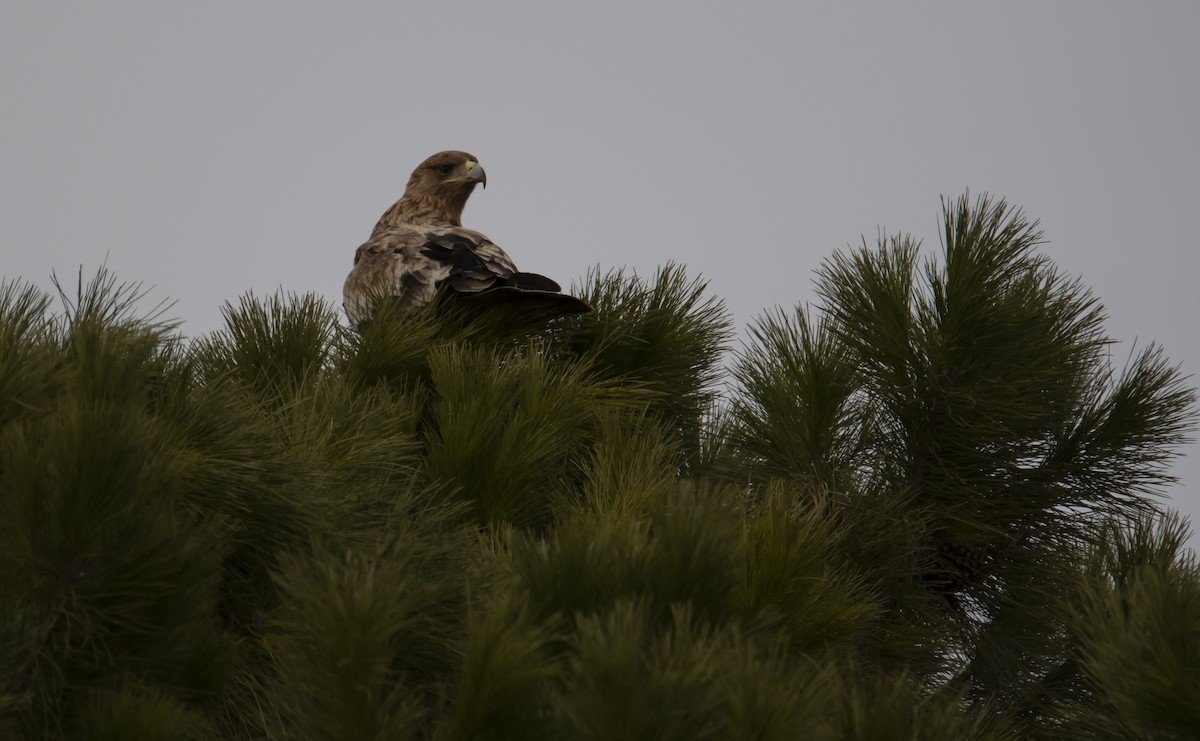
[922,508]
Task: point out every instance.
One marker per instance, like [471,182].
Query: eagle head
[439,188]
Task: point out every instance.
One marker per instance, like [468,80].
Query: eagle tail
[530,282]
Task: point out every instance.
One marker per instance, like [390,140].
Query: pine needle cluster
[921,509]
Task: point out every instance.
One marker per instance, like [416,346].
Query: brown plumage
[419,247]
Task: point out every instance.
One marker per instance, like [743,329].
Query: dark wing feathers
[469,271]
[455,250]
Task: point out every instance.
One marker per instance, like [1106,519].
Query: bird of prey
[419,247]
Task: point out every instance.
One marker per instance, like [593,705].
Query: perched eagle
[419,247]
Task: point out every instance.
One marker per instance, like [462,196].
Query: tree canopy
[923,508]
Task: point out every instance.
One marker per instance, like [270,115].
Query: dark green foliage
[27,360]
[360,636]
[920,510]
[98,569]
[1138,623]
[971,397]
[678,667]
[794,574]
[683,549]
[274,347]
[665,337]
[507,663]
[133,713]
[797,418]
[506,425]
[895,707]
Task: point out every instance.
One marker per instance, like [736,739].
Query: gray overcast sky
[213,148]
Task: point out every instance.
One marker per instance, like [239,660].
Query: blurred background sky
[209,149]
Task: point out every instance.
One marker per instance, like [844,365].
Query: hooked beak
[475,172]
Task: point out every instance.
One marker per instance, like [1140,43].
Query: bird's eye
[444,169]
